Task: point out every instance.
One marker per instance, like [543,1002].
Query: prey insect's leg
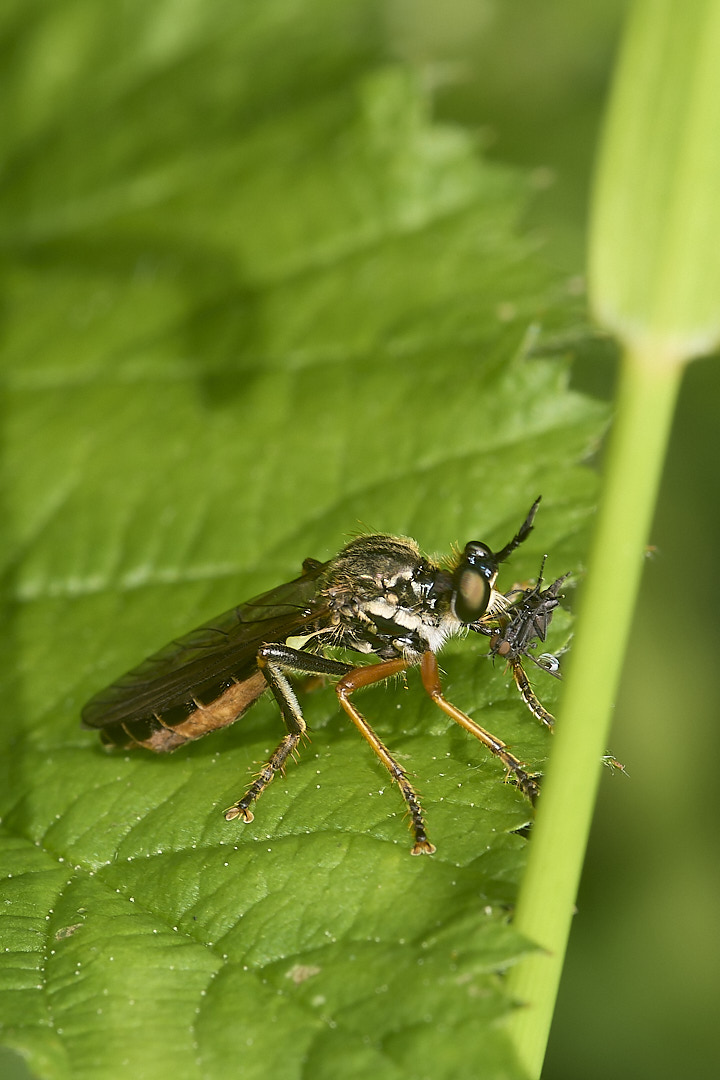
[540,712]
[529,696]
[273,661]
[527,783]
[354,680]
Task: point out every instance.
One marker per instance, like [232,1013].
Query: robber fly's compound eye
[474,580]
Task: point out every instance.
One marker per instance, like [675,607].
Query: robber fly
[379,597]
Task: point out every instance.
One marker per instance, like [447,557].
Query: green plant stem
[646,397]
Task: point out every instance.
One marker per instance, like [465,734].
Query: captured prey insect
[379,597]
[516,632]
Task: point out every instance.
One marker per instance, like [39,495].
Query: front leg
[526,781]
[274,660]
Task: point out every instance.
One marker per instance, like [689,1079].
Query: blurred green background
[641,985]
[639,993]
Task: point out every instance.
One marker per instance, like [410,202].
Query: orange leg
[527,783]
[366,676]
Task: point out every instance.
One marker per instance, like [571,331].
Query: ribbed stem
[646,399]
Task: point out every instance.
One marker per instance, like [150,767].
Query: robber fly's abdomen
[208,678]
[166,731]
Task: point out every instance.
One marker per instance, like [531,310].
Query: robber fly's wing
[210,657]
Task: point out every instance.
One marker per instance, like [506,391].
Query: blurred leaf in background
[256,299]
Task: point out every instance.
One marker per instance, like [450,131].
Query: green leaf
[255,300]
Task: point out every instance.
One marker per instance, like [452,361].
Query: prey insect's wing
[217,653]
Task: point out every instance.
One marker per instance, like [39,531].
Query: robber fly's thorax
[388,599]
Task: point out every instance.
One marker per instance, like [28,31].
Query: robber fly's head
[474,594]
[474,578]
